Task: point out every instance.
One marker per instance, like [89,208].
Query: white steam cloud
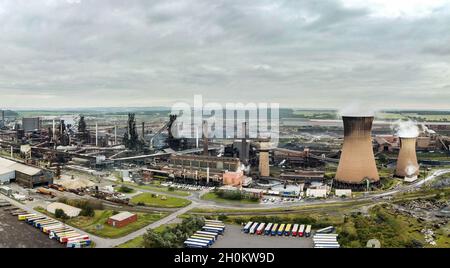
[406,129]
[357,109]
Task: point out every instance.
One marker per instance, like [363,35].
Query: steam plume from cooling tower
[406,129]
[359,109]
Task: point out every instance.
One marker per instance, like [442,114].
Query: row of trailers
[274,229]
[56,230]
[207,236]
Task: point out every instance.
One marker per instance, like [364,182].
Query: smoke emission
[406,129]
[357,109]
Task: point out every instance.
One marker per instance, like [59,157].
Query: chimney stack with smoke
[357,162]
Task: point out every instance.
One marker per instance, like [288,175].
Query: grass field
[213,197]
[138,241]
[153,200]
[91,224]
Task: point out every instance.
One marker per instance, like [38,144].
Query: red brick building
[122,219]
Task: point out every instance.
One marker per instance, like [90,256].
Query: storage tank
[407,165]
[357,162]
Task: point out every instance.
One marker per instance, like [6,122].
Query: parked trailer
[247,227]
[253,228]
[274,229]
[206,236]
[200,239]
[18,213]
[56,227]
[64,238]
[268,228]
[295,230]
[213,229]
[215,225]
[78,238]
[207,233]
[57,234]
[190,244]
[281,229]
[38,224]
[42,224]
[23,217]
[326,230]
[32,219]
[324,239]
[326,246]
[325,235]
[79,244]
[214,221]
[287,231]
[308,231]
[301,230]
[260,229]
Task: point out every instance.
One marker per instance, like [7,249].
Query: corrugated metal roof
[22,168]
[122,216]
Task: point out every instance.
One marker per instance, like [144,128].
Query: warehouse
[122,219]
[6,175]
[25,175]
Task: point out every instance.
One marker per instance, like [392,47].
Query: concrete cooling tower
[357,163]
[407,166]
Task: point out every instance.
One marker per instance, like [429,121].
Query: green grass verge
[154,200]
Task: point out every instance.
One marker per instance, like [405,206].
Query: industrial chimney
[205,137]
[357,163]
[407,166]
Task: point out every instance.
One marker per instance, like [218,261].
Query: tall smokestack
[96,134]
[115,134]
[357,163]
[407,165]
[244,152]
[54,131]
[205,137]
[143,130]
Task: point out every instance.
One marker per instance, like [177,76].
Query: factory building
[122,219]
[30,124]
[357,164]
[201,168]
[25,175]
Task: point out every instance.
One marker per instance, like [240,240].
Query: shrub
[60,214]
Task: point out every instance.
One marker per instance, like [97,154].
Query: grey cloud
[299,53]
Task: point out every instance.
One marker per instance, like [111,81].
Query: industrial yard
[95,172]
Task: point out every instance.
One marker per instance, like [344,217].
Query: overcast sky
[318,53]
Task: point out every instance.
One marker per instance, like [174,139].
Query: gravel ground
[235,238]
[18,234]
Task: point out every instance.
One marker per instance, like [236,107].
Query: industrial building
[357,164]
[122,219]
[25,175]
[30,124]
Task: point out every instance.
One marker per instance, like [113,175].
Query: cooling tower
[407,165]
[357,163]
